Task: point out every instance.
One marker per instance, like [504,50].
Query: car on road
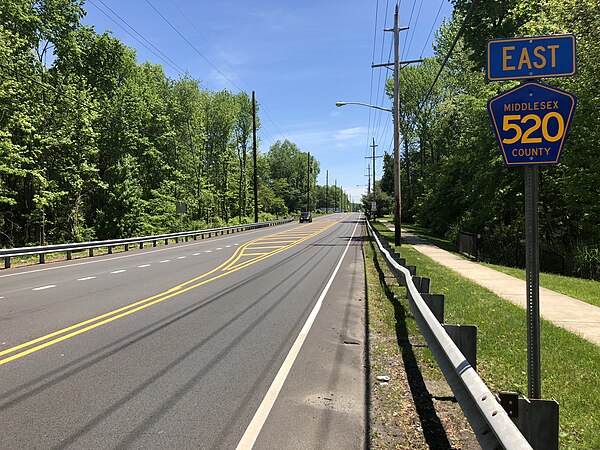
[305,217]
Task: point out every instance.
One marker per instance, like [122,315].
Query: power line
[432,27]
[409,22]
[456,38]
[372,70]
[264,107]
[215,51]
[192,46]
[413,31]
[378,114]
[275,125]
[163,58]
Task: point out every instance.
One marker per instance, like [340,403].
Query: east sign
[531,57]
[531,122]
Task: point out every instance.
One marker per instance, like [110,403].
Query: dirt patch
[415,409]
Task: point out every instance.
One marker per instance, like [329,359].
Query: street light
[397,196]
[338,104]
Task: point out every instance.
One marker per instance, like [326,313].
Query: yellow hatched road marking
[226,268]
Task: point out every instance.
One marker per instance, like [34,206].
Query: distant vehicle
[305,217]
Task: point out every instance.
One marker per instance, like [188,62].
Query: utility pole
[369,179]
[335,195]
[308,183]
[396,115]
[254,157]
[374,202]
[326,191]
[396,109]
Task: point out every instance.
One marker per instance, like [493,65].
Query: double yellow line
[226,268]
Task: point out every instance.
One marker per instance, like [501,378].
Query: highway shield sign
[531,122]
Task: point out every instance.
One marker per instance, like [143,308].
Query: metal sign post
[532,263]
[531,122]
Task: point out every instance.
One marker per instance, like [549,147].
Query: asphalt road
[168,347]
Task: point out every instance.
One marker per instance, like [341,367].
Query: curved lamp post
[397,196]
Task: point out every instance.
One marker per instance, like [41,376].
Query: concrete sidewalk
[572,314]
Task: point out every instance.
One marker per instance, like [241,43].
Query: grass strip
[587,291]
[413,410]
[570,365]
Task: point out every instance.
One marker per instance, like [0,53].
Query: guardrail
[490,422]
[43,250]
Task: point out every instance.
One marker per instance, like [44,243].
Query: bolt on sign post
[531,122]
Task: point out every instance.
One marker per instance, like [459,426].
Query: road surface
[177,346]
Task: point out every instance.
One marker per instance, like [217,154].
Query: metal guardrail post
[435,302]
[7,262]
[465,338]
[490,422]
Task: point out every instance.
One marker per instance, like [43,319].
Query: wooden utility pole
[254,157]
[396,109]
[326,192]
[308,183]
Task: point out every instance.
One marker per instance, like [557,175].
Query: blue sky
[300,58]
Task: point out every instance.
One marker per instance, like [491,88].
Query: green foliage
[452,175]
[95,145]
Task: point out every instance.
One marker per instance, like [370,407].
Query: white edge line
[260,417]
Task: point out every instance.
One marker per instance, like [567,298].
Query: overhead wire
[431,29]
[233,83]
[371,82]
[414,29]
[456,38]
[378,102]
[409,22]
[156,52]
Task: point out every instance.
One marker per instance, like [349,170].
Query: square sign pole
[531,123]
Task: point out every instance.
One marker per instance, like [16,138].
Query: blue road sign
[531,57]
[531,122]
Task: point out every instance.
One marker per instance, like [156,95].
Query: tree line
[453,177]
[94,145]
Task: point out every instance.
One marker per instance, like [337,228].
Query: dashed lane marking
[85,278]
[119,271]
[237,261]
[41,288]
[144,265]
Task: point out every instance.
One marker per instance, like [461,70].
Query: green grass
[570,365]
[587,291]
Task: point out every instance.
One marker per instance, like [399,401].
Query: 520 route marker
[531,122]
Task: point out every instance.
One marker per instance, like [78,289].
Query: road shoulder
[322,403]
